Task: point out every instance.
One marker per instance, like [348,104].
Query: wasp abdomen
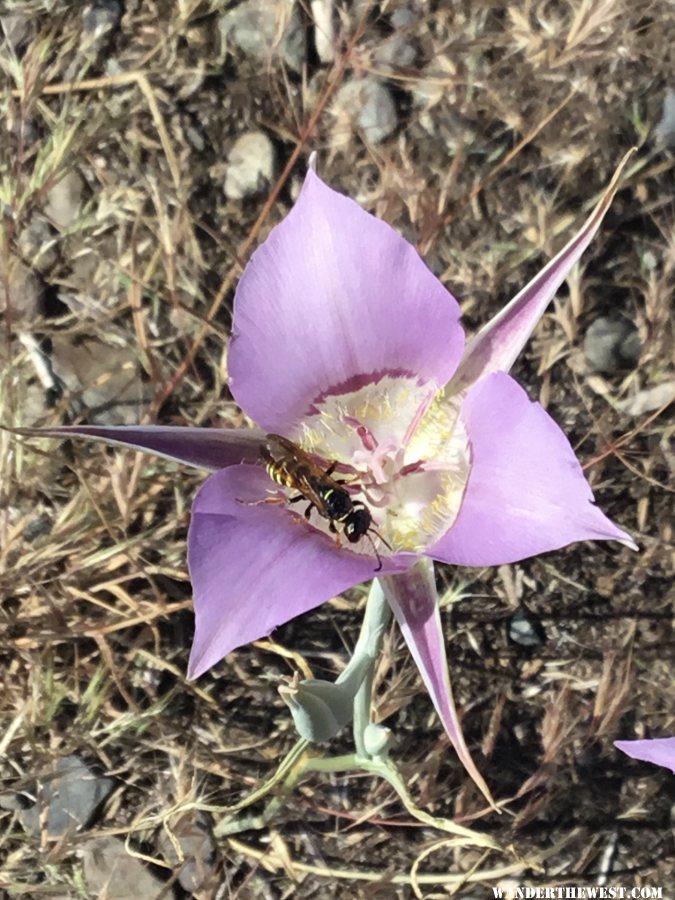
[277,473]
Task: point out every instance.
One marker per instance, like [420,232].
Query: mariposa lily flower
[346,344]
[659,751]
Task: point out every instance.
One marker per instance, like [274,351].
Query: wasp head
[357,524]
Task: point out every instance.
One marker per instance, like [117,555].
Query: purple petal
[414,601]
[255,567]
[334,297]
[205,448]
[526,492]
[660,751]
[497,345]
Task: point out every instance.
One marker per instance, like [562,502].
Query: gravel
[368,107]
[611,345]
[265,30]
[250,165]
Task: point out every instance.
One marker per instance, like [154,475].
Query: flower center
[402,450]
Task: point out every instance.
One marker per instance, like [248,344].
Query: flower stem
[384,768]
[375,620]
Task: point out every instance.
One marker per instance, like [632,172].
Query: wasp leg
[260,502]
[332,467]
[297,499]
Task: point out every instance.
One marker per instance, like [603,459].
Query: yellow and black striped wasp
[290,466]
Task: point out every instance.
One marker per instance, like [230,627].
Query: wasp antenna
[377,555]
[378,535]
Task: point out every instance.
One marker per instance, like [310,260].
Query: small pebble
[611,345]
[665,130]
[198,36]
[104,378]
[394,53]
[64,200]
[402,17]
[37,242]
[250,165]
[16,27]
[99,21]
[396,50]
[324,29]
[111,871]
[254,26]
[368,106]
[525,629]
[21,287]
[114,67]
[101,17]
[195,138]
[66,799]
[38,527]
[197,851]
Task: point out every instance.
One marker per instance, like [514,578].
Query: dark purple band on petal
[356,382]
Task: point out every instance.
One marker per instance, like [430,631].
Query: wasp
[290,466]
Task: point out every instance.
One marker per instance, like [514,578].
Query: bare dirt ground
[483,132]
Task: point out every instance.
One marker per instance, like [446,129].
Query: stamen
[419,415]
[410,468]
[365,434]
